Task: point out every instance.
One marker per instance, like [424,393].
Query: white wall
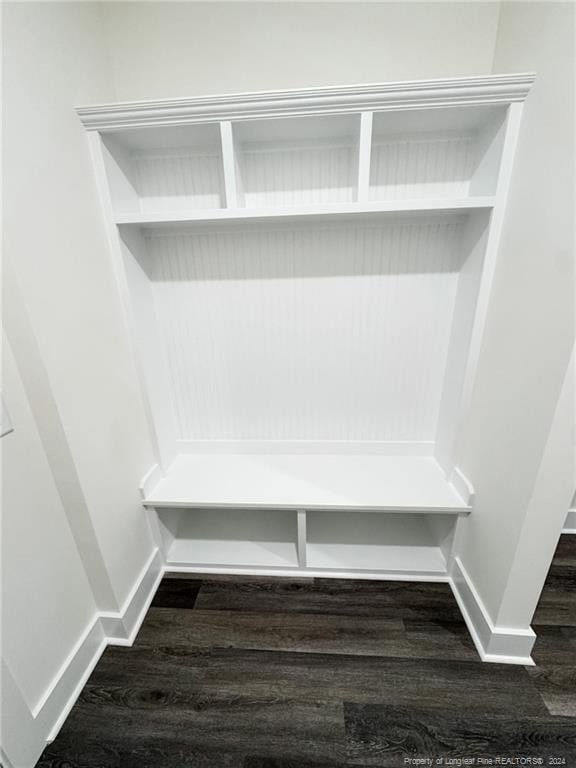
[55,58]
[47,600]
[158,49]
[530,326]
[546,513]
[75,538]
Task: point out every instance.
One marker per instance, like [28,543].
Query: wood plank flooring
[236,672]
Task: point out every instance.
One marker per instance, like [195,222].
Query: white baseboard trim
[570,524]
[122,627]
[22,737]
[39,725]
[56,707]
[500,645]
[305,573]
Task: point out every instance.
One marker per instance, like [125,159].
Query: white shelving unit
[305,276]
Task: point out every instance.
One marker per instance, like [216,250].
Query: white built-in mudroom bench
[305,276]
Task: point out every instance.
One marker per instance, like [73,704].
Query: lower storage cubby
[229,537]
[399,545]
[402,544]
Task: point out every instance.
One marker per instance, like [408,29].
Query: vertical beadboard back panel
[421,167]
[298,161]
[178,179]
[286,175]
[315,332]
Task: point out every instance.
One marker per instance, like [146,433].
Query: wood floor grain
[565,551]
[381,735]
[102,751]
[556,685]
[238,724]
[338,597]
[176,593]
[307,632]
[557,605]
[243,672]
[330,677]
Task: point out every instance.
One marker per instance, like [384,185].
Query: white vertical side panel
[488,152]
[301,523]
[513,120]
[442,529]
[364,156]
[229,163]
[238,168]
[163,453]
[119,170]
[473,245]
[151,352]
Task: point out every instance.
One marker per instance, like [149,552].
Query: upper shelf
[308,481]
[424,146]
[325,212]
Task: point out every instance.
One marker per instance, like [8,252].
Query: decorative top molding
[415,94]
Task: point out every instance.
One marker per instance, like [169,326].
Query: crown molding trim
[416,94]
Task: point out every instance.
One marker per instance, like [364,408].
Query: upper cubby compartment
[450,153]
[296,161]
[176,169]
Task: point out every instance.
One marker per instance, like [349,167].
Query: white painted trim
[308,573]
[512,132]
[112,235]
[364,156]
[570,524]
[462,485]
[415,94]
[42,722]
[329,447]
[22,737]
[78,660]
[229,165]
[459,511]
[150,480]
[301,537]
[77,673]
[502,645]
[122,627]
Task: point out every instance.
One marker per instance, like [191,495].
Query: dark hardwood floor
[232,672]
